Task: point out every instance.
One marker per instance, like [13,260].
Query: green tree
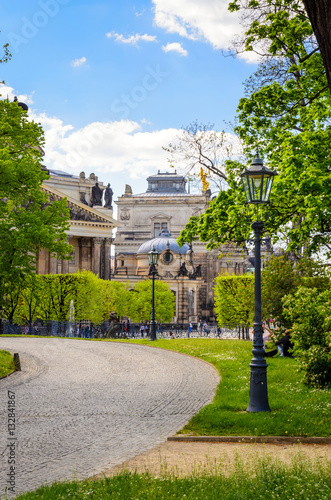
[234,300]
[282,276]
[319,15]
[28,220]
[308,311]
[286,111]
[116,298]
[278,279]
[30,299]
[140,306]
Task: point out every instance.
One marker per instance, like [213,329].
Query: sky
[112,82]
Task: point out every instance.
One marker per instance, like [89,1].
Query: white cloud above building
[175,47]
[78,62]
[132,39]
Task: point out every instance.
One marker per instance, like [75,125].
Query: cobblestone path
[82,407]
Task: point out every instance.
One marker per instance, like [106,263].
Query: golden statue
[203,177]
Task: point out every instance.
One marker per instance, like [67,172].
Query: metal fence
[86,329]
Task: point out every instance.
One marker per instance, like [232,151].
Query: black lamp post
[153,257]
[257,181]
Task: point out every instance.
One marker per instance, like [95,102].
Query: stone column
[85,254]
[65,263]
[42,261]
[64,266]
[107,256]
[182,300]
[53,265]
[96,255]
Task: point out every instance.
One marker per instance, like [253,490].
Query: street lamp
[153,257]
[257,181]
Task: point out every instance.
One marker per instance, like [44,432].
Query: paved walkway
[82,407]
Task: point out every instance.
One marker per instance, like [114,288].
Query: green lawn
[6,363]
[301,480]
[296,410]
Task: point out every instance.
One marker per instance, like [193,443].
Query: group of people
[284,344]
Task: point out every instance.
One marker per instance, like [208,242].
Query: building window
[122,262]
[158,227]
[167,257]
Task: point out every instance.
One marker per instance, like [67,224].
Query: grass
[297,410]
[301,480]
[6,363]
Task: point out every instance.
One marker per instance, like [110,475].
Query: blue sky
[111,82]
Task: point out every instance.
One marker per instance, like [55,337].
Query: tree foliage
[234,300]
[140,305]
[308,310]
[286,112]
[28,221]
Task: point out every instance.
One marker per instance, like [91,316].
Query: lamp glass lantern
[257,182]
[153,257]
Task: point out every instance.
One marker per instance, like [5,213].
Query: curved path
[83,407]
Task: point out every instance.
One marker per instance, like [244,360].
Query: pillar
[96,255]
[85,254]
[107,257]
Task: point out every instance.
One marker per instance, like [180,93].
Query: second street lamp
[153,257]
[257,181]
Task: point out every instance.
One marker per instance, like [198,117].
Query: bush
[316,363]
[309,313]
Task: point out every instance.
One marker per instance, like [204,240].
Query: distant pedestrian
[206,328]
[190,328]
[200,327]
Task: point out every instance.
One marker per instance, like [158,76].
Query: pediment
[79,211]
[161,216]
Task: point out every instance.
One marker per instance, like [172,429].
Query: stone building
[165,208]
[91,224]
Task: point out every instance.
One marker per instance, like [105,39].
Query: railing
[85,329]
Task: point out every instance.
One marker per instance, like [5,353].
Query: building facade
[91,224]
[165,208]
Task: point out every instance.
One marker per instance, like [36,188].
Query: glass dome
[160,244]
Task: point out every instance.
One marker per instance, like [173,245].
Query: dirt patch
[182,458]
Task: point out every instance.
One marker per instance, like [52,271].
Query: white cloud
[174,47]
[118,152]
[79,62]
[208,21]
[133,39]
[6,91]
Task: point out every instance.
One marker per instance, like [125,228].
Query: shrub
[309,313]
[316,363]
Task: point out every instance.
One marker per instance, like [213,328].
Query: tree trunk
[319,13]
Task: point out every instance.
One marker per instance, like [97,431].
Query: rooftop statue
[96,198]
[108,197]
